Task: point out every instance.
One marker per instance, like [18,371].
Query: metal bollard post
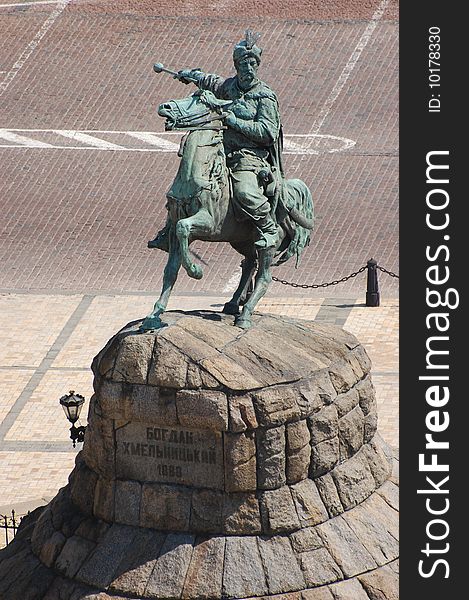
[372,290]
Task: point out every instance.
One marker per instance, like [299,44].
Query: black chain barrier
[318,285]
[387,272]
[372,290]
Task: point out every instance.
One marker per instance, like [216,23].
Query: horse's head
[201,108]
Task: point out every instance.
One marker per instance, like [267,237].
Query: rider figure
[251,139]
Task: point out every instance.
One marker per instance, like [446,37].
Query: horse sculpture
[200,208]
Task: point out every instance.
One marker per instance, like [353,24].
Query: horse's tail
[301,219]
[299,222]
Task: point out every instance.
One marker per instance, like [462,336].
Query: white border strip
[87,139]
[154,140]
[15,4]
[32,45]
[347,70]
[21,139]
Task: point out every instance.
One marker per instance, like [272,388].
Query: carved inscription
[189,457]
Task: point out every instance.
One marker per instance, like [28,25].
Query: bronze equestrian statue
[230,186]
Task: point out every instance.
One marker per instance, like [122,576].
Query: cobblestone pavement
[80,194]
[82,190]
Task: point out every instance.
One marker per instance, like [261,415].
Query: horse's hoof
[159,244]
[243,323]
[231,308]
[195,272]
[150,323]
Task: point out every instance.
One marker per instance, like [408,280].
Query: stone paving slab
[104,315]
[33,475]
[387,388]
[40,420]
[16,348]
[36,454]
[13,381]
[377,330]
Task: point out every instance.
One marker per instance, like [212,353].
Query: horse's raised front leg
[248,268]
[199,224]
[263,279]
[153,321]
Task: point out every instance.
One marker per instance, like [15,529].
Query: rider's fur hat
[247,48]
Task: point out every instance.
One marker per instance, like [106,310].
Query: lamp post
[72,404]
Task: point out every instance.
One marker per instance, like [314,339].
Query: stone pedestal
[221,463]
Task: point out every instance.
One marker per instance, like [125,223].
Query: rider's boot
[268,233]
[161,241]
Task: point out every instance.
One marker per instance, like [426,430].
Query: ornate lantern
[72,404]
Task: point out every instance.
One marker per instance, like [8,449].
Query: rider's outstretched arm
[205,81]
[213,83]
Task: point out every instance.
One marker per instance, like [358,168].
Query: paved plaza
[47,345]
[85,164]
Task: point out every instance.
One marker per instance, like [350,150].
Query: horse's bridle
[203,120]
[195,124]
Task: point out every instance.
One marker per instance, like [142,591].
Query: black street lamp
[72,404]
